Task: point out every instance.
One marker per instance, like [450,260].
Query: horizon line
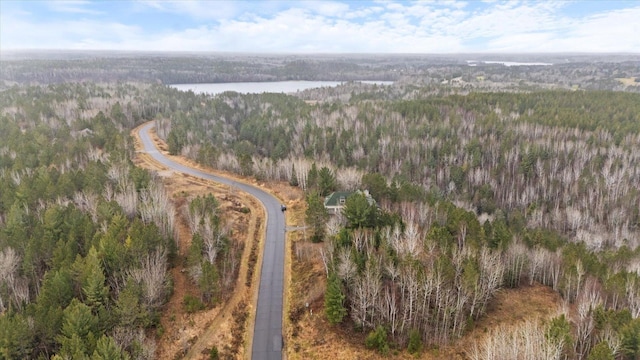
[318,53]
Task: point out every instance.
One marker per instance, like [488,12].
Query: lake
[261,87]
[507,63]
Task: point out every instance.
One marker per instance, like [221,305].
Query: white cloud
[72,6]
[314,26]
[522,42]
[205,9]
[326,8]
[507,20]
[211,10]
[363,13]
[615,31]
[73,34]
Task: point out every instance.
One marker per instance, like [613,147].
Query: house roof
[334,199]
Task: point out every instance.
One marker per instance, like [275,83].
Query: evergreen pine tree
[316,217]
[327,182]
[107,349]
[94,289]
[293,181]
[312,178]
[334,300]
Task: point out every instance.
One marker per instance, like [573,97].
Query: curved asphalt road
[267,334]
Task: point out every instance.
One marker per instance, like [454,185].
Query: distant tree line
[592,72]
[187,69]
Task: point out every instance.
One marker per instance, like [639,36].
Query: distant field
[630,81]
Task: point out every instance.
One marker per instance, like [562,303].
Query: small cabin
[335,201]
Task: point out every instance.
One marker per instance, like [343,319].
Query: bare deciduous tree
[526,340]
[152,275]
[155,206]
[17,286]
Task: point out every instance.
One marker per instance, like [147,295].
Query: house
[335,201]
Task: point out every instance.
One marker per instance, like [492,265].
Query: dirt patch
[630,81]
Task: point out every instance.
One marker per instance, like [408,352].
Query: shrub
[601,351]
[213,353]
[192,304]
[415,342]
[377,339]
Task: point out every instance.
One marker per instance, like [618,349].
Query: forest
[477,192]
[477,188]
[86,237]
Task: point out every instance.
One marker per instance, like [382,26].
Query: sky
[424,27]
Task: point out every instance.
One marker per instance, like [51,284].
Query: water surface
[262,87]
[507,63]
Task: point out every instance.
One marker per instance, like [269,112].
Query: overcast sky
[323,26]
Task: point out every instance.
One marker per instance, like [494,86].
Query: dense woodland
[490,190]
[499,154]
[86,237]
[477,188]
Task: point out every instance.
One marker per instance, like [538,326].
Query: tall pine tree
[312,178]
[316,216]
[334,300]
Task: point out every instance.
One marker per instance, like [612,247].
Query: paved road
[267,335]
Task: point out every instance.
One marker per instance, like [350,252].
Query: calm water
[508,63]
[261,87]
